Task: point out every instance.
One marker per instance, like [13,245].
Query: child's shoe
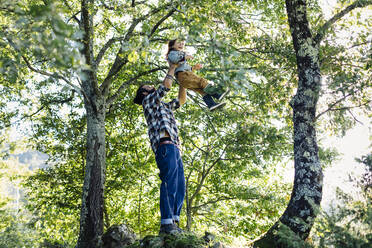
[219,97]
[212,105]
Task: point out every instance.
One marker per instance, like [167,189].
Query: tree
[307,190]
[58,49]
[92,83]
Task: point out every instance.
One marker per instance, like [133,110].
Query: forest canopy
[70,71]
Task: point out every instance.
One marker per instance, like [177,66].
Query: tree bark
[91,217]
[92,204]
[308,181]
[188,209]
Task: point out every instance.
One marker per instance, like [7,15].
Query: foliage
[289,239]
[17,233]
[59,220]
[243,45]
[187,240]
[346,224]
[59,125]
[14,219]
[228,172]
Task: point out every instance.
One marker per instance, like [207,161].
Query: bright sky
[356,143]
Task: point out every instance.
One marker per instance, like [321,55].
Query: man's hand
[197,67]
[172,66]
[168,79]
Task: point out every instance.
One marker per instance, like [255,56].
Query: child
[188,79]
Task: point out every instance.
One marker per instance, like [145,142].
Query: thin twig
[42,107]
[334,104]
[322,31]
[74,15]
[351,113]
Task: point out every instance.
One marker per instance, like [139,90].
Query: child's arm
[197,67]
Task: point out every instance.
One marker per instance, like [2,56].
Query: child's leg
[190,80]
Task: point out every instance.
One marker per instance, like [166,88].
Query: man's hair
[139,95]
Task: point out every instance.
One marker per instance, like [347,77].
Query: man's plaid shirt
[159,116]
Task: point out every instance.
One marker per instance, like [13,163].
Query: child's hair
[170,46]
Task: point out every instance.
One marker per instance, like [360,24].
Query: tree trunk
[91,217]
[307,189]
[189,218]
[188,208]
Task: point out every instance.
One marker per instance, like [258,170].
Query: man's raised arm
[170,76]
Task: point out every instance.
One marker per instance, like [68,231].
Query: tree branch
[144,17]
[42,107]
[120,6]
[87,51]
[119,62]
[106,6]
[41,72]
[126,83]
[333,104]
[204,176]
[345,108]
[6,9]
[215,201]
[322,31]
[197,147]
[74,15]
[54,75]
[161,21]
[104,49]
[330,108]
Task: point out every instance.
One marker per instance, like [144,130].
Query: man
[163,134]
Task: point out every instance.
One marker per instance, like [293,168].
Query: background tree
[307,190]
[59,42]
[62,45]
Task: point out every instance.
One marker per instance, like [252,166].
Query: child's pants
[190,80]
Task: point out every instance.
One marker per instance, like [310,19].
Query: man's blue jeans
[172,189]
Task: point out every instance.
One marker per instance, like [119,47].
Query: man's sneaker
[169,229]
[180,230]
[217,106]
[177,223]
